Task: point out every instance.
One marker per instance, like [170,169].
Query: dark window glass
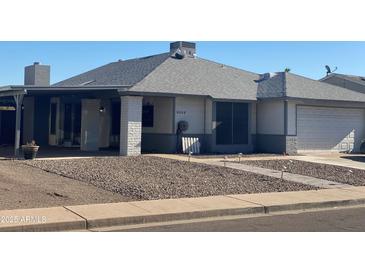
[224,123]
[240,123]
[147,116]
[53,118]
[232,123]
[67,125]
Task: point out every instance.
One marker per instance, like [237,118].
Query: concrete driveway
[334,158]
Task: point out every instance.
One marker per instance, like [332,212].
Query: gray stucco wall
[167,143]
[269,143]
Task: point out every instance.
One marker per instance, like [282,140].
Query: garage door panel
[323,128]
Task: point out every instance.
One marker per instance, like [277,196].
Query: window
[147,116]
[224,123]
[232,123]
[240,123]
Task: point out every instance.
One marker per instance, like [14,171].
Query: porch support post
[130,125]
[18,102]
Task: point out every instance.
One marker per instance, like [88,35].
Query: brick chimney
[187,48]
[37,75]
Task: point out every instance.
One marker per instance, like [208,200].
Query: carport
[17,94]
[90,110]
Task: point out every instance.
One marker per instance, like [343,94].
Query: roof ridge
[229,66]
[111,64]
[144,77]
[72,77]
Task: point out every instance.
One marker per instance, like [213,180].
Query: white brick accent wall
[131,125]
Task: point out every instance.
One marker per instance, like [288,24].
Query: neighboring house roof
[353,82]
[357,79]
[290,85]
[121,73]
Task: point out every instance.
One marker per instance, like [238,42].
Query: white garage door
[322,128]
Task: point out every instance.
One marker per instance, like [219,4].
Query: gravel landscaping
[230,156]
[334,173]
[148,178]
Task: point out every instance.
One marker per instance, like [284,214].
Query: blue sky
[70,58]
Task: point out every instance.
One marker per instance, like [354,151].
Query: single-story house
[138,105]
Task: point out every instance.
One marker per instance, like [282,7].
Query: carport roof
[6,91]
[289,85]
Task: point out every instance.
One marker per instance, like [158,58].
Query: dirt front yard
[23,186]
[334,173]
[147,177]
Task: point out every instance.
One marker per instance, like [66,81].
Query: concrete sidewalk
[97,217]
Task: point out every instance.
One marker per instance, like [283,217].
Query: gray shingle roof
[121,73]
[296,86]
[198,76]
[271,86]
[195,76]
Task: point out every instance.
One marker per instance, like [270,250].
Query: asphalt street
[334,220]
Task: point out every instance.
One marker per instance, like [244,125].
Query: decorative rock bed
[334,173]
[147,178]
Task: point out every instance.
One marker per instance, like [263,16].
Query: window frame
[149,123]
[234,122]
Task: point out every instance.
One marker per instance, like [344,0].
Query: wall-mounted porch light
[102,109]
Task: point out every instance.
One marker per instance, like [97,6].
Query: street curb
[40,220]
[54,227]
[84,217]
[161,218]
[315,205]
[158,218]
